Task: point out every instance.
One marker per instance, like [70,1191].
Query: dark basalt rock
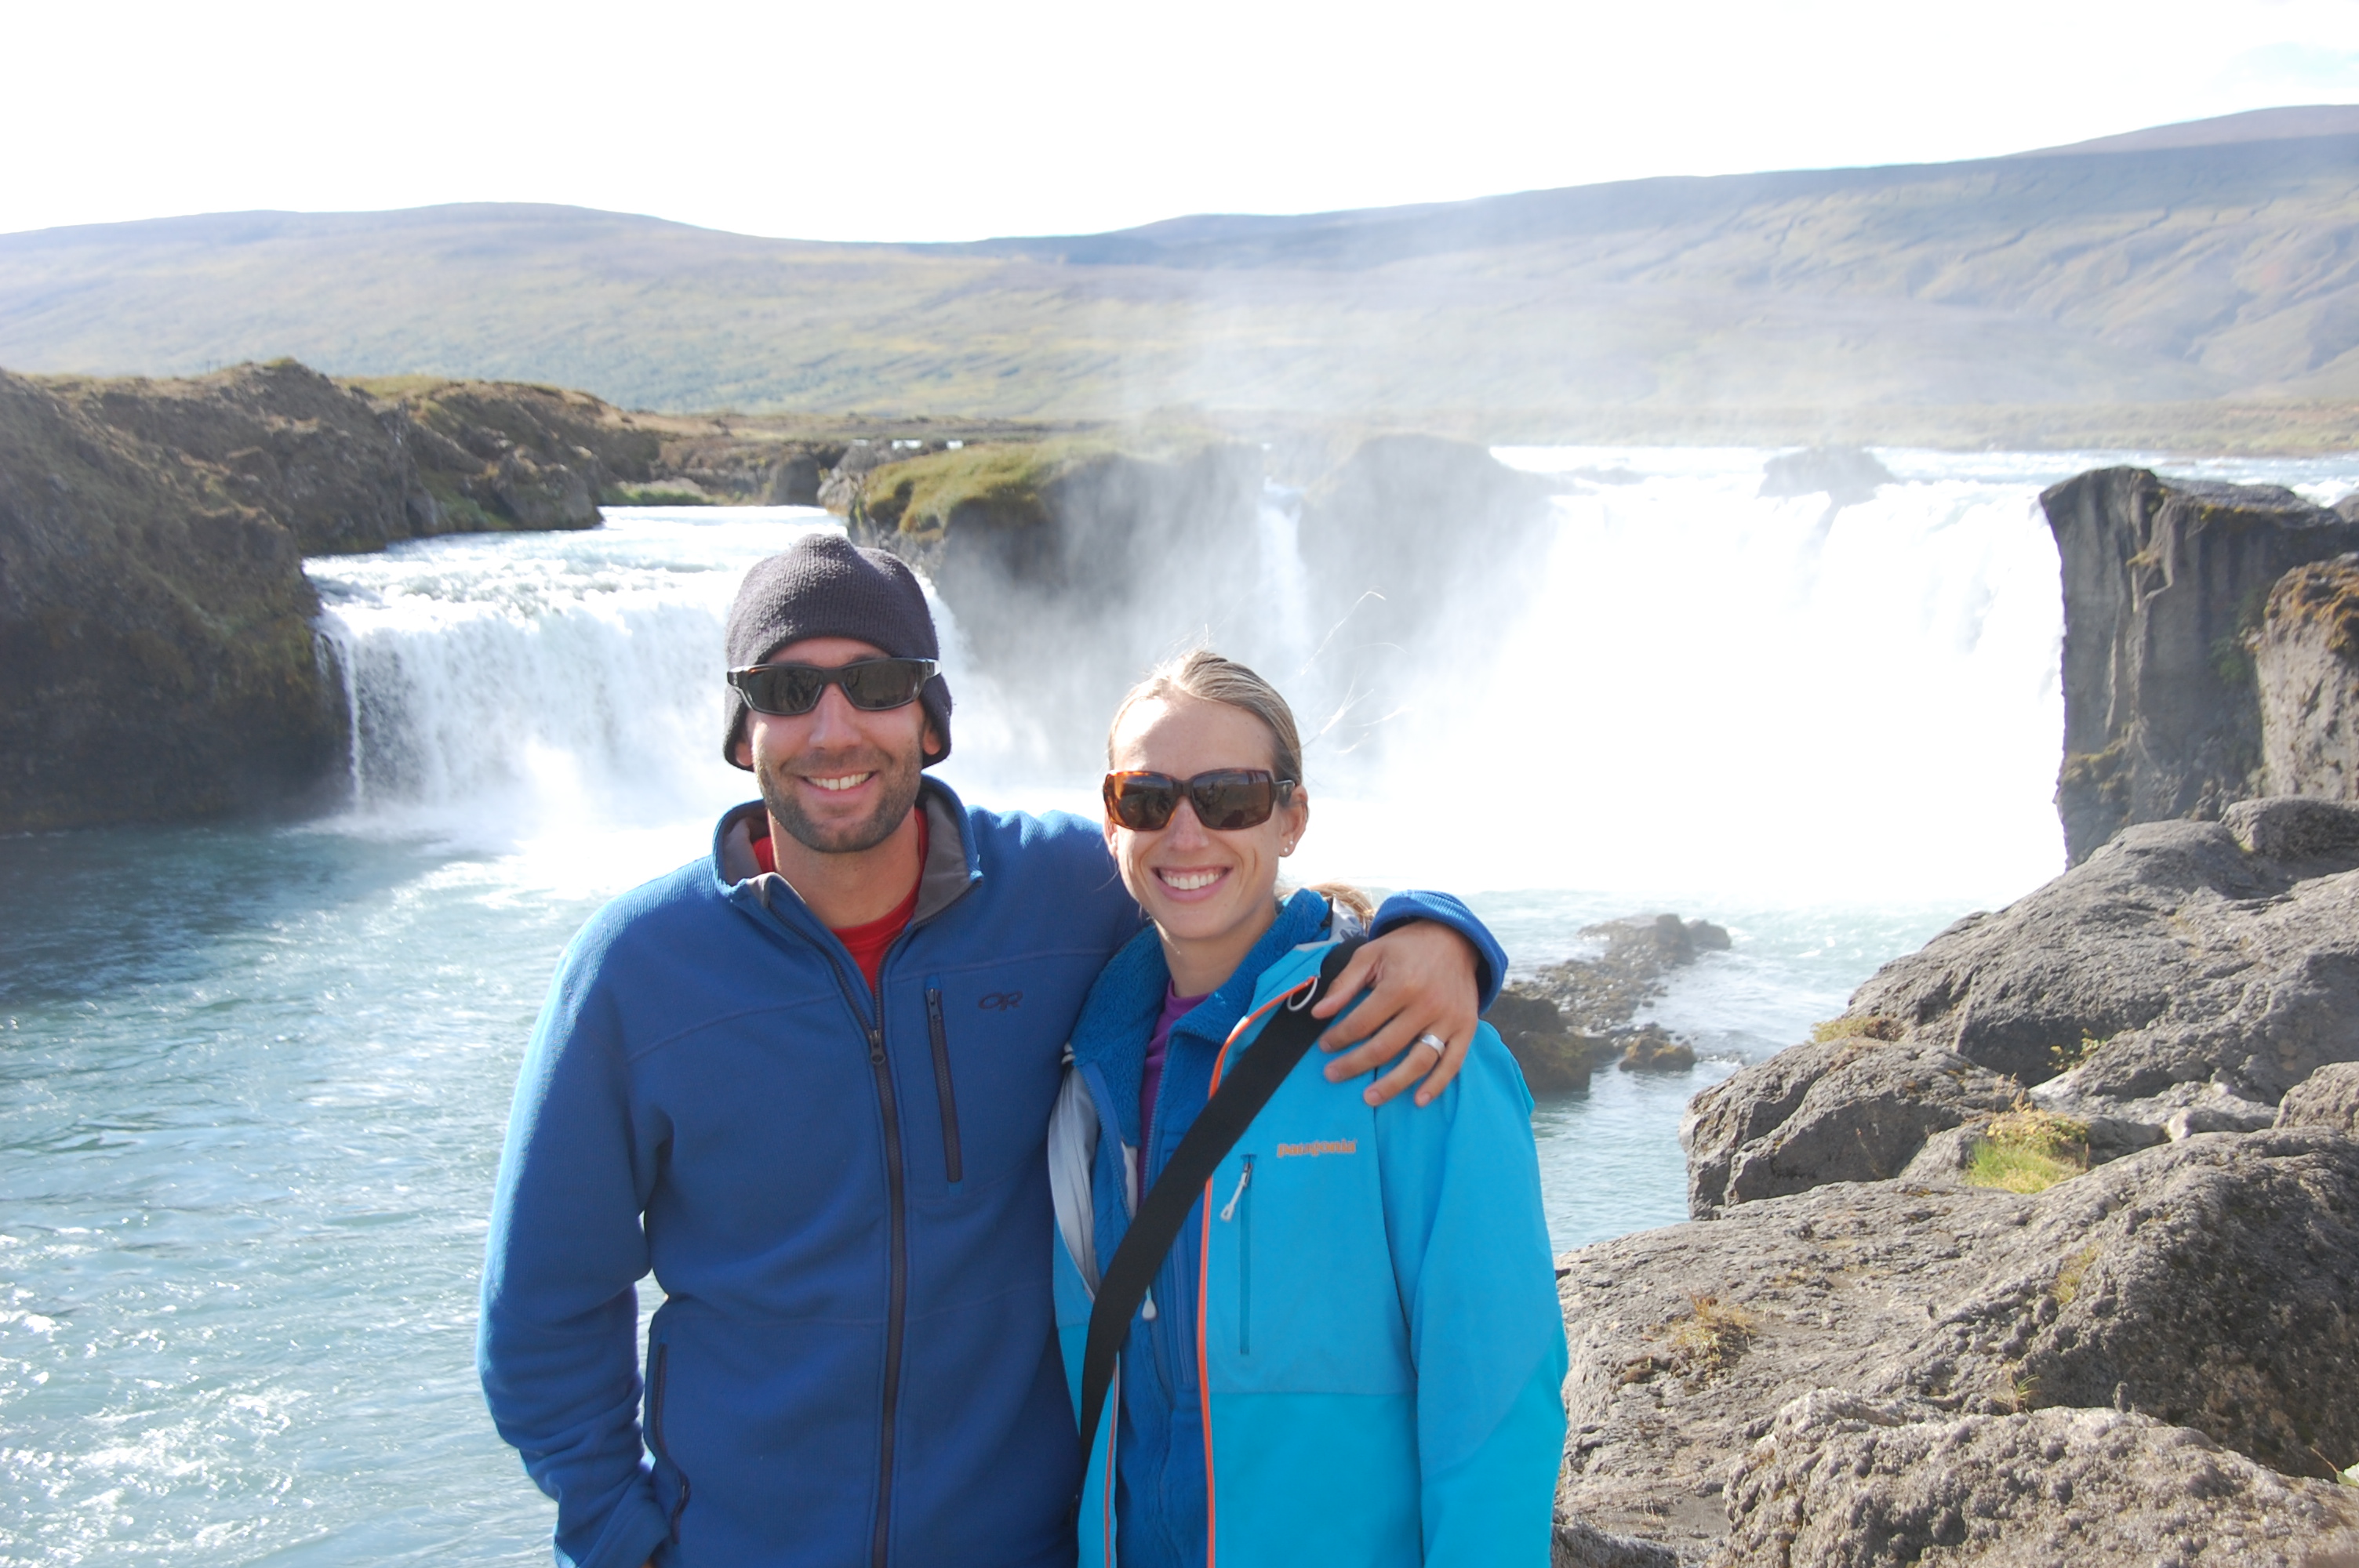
[2306,662]
[1650,1048]
[1843,1482]
[2163,581]
[1571,1018]
[2181,980]
[1850,1109]
[2202,1284]
[1554,1059]
[2329,1097]
[1845,475]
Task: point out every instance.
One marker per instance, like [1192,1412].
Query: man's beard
[898,778]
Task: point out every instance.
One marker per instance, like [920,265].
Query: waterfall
[1692,691]
[509,690]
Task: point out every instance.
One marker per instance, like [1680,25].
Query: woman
[1357,1357]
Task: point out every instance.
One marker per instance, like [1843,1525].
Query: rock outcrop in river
[2165,581]
[1072,565]
[154,621]
[1571,1018]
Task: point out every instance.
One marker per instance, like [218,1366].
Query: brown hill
[2134,275]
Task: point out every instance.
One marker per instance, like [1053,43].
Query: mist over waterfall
[1681,688]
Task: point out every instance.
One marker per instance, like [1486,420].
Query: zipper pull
[1148,1312]
[1244,1177]
[876,1045]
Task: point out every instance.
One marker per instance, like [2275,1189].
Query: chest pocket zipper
[942,1089]
[1239,1209]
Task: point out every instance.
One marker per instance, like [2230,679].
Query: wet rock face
[2306,662]
[2163,580]
[1843,1482]
[1553,1058]
[2203,1284]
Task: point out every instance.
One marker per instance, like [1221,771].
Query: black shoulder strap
[1244,1090]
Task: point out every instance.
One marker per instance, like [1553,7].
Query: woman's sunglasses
[872,686]
[1225,799]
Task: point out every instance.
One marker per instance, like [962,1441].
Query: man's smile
[841,781]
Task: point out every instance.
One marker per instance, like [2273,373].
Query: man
[807,1082]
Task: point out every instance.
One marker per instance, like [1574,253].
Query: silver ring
[1440,1046]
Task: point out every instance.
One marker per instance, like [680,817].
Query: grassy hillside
[1957,300]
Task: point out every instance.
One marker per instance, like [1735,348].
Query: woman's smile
[1183,882]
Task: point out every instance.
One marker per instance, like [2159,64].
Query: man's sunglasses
[871,685]
[1225,799]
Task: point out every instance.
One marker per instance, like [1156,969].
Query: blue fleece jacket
[1364,1363]
[842,1194]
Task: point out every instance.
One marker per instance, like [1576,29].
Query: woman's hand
[1419,979]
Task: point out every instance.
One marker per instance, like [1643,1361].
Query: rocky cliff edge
[154,621]
[2044,1251]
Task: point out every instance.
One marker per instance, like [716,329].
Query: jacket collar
[953,863]
[1111,1032]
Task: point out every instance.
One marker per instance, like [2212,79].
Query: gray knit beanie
[828,587]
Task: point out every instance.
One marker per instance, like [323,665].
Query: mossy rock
[998,486]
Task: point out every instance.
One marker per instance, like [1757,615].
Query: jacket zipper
[655,1434]
[1240,1209]
[898,1292]
[943,1081]
[897,1202]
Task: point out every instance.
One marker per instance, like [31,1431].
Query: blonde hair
[1206,676]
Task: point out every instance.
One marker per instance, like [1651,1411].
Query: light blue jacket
[1364,1366]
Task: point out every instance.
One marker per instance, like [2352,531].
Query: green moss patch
[2028,1151]
[1858,1026]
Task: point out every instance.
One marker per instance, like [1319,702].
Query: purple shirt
[1150,1078]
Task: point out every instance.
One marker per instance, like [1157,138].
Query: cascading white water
[552,696]
[1701,692]
[1716,692]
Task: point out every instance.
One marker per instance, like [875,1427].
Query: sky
[930,121]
